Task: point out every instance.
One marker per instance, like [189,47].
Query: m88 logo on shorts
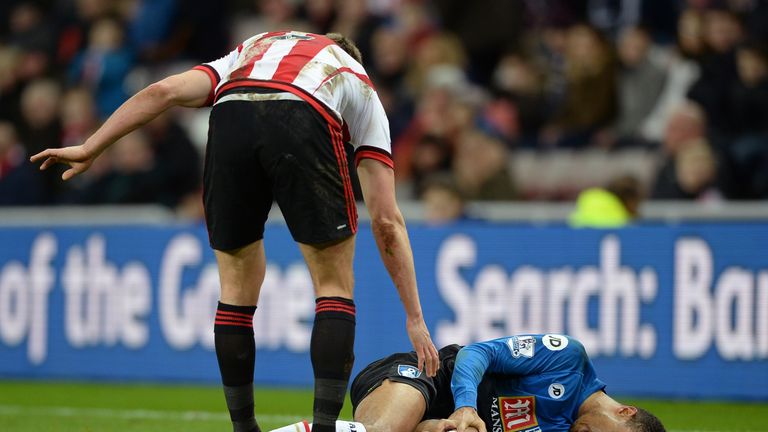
[518,413]
[408,371]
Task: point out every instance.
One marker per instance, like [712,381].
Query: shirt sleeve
[217,70]
[367,122]
[517,356]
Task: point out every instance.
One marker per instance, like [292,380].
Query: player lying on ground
[520,383]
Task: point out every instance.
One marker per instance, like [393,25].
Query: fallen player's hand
[443,425]
[422,344]
[76,157]
[467,420]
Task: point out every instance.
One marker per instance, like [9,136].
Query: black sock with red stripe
[332,352]
[236,353]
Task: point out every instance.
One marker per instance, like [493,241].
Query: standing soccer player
[284,105]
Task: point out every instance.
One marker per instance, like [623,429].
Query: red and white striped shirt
[316,70]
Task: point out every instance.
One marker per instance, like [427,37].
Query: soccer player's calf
[236,353]
[332,353]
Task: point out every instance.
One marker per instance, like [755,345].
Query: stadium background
[503,113]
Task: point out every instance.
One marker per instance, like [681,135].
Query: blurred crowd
[470,88]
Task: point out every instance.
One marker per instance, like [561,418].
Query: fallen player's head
[643,421]
[624,419]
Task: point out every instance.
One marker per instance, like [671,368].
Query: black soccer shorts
[402,368]
[282,150]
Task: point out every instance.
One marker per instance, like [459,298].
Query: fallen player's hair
[347,45]
[644,421]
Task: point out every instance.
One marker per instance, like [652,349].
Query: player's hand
[78,159]
[422,344]
[443,425]
[466,419]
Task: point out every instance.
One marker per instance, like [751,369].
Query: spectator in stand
[321,14]
[641,81]
[688,122]
[416,21]
[486,28]
[149,26]
[682,70]
[389,56]
[443,202]
[33,37]
[20,184]
[431,155]
[722,33]
[90,11]
[554,13]
[10,87]
[591,76]
[613,16]
[75,20]
[690,34]
[689,170]
[132,178]
[550,43]
[104,65]
[690,175]
[389,64]
[178,166]
[5,10]
[518,111]
[442,49]
[170,30]
[481,168]
[749,94]
[747,151]
[272,15]
[355,22]
[615,205]
[40,126]
[78,116]
[444,111]
[755,15]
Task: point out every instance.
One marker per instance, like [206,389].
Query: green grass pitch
[98,407]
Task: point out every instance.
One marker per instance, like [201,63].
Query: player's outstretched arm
[190,89]
[378,183]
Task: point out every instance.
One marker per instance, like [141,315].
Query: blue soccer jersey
[525,383]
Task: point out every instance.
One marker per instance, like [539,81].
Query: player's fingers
[476,423]
[430,365]
[435,358]
[464,426]
[431,359]
[446,425]
[68,174]
[43,154]
[52,160]
[421,358]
